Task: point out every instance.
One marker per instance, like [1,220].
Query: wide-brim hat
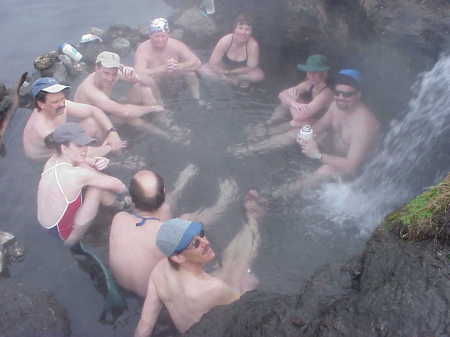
[315,63]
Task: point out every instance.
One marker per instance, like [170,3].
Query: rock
[6,239]
[27,312]
[198,28]
[134,36]
[3,91]
[121,46]
[45,61]
[97,31]
[183,4]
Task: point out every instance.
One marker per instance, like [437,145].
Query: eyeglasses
[196,242]
[345,94]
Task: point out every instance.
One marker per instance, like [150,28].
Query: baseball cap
[108,59]
[159,25]
[46,84]
[90,38]
[351,77]
[71,132]
[176,234]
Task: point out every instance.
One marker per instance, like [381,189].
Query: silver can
[305,133]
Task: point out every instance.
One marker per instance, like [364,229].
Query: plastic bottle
[69,50]
[209,6]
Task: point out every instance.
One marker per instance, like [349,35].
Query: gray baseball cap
[71,132]
[176,234]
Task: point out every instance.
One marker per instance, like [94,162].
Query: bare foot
[185,176]
[255,205]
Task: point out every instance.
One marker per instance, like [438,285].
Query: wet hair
[50,143]
[243,19]
[140,198]
[40,97]
[347,80]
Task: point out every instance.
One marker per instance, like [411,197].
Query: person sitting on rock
[51,109]
[132,249]
[235,58]
[96,89]
[180,281]
[71,187]
[162,58]
[345,136]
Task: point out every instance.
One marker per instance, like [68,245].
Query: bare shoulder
[253,43]
[121,217]
[221,293]
[144,46]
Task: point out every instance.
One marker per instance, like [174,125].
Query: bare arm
[289,97]
[219,51]
[140,64]
[150,312]
[188,61]
[91,177]
[101,100]
[319,103]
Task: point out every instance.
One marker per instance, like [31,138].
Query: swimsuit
[308,96]
[233,64]
[64,224]
[143,219]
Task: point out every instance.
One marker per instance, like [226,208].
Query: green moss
[424,217]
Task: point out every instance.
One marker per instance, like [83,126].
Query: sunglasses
[196,242]
[345,94]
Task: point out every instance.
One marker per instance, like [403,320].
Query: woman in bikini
[71,187]
[235,58]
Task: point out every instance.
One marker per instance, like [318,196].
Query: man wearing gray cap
[163,57]
[180,282]
[51,109]
[97,88]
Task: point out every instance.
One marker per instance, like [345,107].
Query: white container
[69,50]
[209,6]
[305,134]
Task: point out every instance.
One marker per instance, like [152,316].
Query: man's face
[159,39]
[107,76]
[54,104]
[346,97]
[199,250]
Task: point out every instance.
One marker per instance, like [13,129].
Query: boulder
[27,312]
[198,29]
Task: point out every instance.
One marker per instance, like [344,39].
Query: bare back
[87,92]
[133,252]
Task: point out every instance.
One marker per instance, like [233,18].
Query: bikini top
[308,96]
[233,63]
[143,219]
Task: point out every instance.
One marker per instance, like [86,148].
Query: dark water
[297,237]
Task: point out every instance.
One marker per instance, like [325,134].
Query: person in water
[304,103]
[51,109]
[162,57]
[96,89]
[235,58]
[132,249]
[180,282]
[71,188]
[345,136]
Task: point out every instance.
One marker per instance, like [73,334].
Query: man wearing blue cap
[51,109]
[345,136]
[163,57]
[180,282]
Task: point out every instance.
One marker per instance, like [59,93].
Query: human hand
[298,110]
[129,74]
[100,163]
[172,64]
[310,149]
[115,141]
[157,108]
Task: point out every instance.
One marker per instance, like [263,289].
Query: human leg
[183,179]
[193,83]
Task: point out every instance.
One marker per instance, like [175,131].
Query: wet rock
[199,29]
[3,91]
[6,239]
[395,288]
[97,31]
[54,65]
[121,46]
[134,36]
[183,4]
[27,312]
[45,61]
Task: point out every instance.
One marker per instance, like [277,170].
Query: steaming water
[299,234]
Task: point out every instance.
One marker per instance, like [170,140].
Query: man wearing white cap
[96,89]
[51,109]
[163,57]
[180,281]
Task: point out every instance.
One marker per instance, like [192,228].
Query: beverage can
[305,134]
[70,51]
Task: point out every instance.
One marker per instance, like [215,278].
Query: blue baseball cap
[176,234]
[46,84]
[351,77]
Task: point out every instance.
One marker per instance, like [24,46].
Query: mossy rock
[425,217]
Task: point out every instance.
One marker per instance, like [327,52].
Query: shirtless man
[132,250]
[163,57]
[51,109]
[345,136]
[180,282]
[96,89]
